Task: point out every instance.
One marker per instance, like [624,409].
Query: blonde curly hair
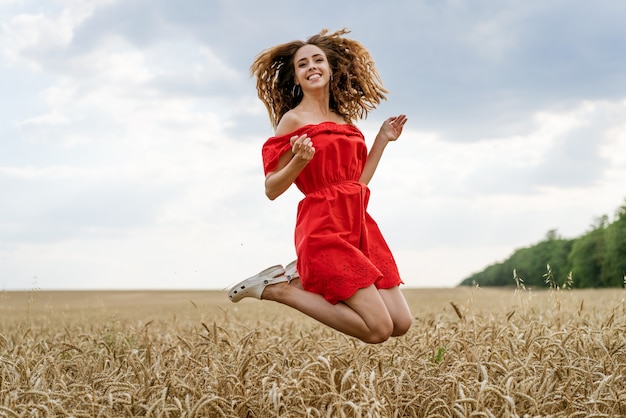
[355,87]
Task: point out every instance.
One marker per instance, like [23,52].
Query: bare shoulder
[294,119]
[288,123]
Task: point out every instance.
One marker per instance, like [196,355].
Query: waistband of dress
[337,183]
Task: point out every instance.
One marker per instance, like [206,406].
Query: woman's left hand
[392,127]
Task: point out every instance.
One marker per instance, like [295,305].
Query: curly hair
[355,87]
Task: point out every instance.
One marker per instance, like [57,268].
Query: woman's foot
[254,286]
[292,274]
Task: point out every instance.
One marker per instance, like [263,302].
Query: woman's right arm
[290,165]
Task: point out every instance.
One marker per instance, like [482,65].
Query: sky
[131,134]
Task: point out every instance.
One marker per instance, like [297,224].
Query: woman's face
[311,67]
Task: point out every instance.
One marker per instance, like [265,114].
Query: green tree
[614,267]
[529,263]
[588,255]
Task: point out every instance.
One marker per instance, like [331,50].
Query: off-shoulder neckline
[329,121]
[311,125]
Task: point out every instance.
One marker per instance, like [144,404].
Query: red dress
[340,248]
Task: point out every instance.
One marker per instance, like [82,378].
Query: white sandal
[254,286]
[291,272]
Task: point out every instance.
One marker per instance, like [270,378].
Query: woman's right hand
[302,147]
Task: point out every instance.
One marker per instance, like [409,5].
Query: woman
[346,276]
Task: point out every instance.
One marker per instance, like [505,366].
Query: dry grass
[471,352]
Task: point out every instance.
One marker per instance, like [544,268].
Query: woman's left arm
[389,131]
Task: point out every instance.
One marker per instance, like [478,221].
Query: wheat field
[471,352]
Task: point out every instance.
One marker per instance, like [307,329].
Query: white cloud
[24,32]
[27,35]
[614,149]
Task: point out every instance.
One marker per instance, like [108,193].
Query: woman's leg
[398,310]
[364,315]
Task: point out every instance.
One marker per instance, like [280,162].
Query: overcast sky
[130,134]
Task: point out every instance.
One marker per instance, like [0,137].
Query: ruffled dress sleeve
[276,146]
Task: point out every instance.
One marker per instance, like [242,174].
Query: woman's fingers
[302,146]
[395,123]
[398,120]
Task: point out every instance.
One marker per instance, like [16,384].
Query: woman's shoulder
[290,122]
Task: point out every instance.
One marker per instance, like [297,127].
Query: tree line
[595,259]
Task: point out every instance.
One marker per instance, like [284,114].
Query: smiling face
[311,67]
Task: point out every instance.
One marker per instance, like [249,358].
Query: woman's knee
[380,332]
[402,325]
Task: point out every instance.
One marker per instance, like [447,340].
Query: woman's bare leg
[364,315]
[398,310]
[296,282]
